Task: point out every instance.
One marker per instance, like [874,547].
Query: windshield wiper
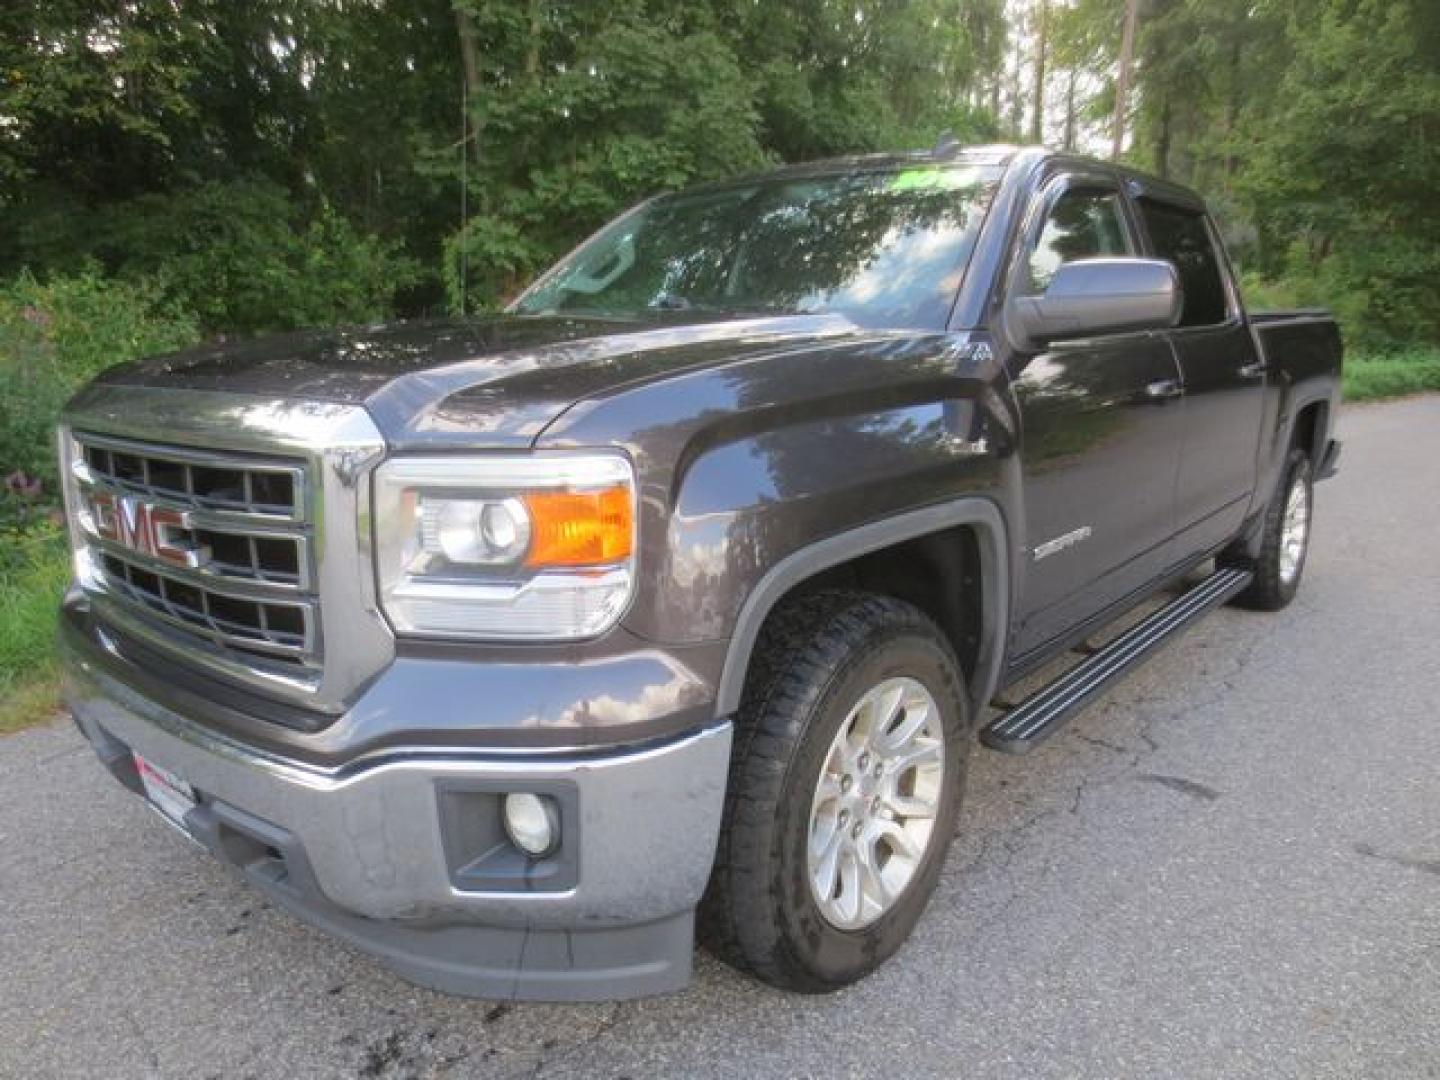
[669,301]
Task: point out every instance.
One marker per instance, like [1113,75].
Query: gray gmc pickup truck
[517,651]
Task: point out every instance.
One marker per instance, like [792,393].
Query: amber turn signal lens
[570,528]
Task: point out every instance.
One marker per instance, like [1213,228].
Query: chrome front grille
[229,533]
[197,479]
[209,551]
[264,630]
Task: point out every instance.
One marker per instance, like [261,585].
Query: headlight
[505,547]
[474,531]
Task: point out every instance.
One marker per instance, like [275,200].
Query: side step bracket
[1025,725]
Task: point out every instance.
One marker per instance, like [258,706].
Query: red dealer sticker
[166,791]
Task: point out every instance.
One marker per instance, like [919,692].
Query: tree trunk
[1017,97]
[470,61]
[532,48]
[1037,120]
[1070,110]
[1162,140]
[1232,111]
[1122,82]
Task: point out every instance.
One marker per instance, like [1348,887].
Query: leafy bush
[53,337]
[1370,378]
[1380,288]
[34,570]
[245,258]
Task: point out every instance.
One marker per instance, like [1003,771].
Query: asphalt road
[1230,867]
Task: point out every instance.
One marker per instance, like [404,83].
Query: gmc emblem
[147,530]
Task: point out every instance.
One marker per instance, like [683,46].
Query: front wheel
[849,766]
[1285,538]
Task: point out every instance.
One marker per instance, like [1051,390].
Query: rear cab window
[1183,238]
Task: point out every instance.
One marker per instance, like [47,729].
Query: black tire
[814,660]
[1272,589]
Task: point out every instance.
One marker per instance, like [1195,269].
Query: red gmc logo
[148,530]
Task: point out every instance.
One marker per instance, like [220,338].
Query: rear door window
[1181,237]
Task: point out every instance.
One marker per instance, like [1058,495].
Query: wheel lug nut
[864,761]
[855,832]
[847,782]
[879,768]
[844,817]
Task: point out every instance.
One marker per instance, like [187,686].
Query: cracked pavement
[1228,867]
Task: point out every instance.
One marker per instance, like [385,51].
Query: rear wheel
[847,777]
[1285,538]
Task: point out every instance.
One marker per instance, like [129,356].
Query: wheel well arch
[950,560]
[1309,428]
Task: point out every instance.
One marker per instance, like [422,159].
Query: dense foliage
[279,163]
[282,162]
[1315,125]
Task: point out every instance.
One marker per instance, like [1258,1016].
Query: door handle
[1164,389]
[1253,371]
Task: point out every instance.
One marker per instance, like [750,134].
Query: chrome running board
[1022,726]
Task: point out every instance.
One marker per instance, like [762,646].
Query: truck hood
[496,381]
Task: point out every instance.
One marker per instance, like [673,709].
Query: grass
[34,570]
[1374,378]
[30,702]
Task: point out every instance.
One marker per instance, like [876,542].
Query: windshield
[883,248]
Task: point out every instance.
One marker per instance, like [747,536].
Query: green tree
[1311,127]
[1343,187]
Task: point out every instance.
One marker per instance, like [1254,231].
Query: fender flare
[1298,403]
[810,560]
[1267,474]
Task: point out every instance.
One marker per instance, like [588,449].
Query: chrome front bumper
[399,855]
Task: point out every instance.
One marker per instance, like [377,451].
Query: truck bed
[1303,344]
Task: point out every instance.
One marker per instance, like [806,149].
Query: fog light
[532,823]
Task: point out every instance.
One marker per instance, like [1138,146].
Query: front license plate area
[168,793]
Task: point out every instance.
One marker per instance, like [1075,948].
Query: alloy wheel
[1294,530]
[876,803]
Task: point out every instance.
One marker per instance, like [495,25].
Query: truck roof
[1001,154]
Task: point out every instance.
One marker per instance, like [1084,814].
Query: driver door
[1102,425]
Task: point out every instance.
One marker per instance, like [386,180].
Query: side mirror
[1100,296]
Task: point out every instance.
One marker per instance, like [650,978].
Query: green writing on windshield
[931,179]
